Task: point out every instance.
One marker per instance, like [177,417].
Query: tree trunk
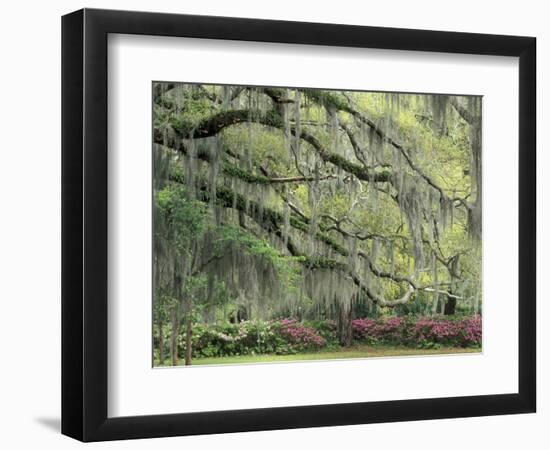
[189,332]
[174,336]
[188,339]
[450,306]
[176,313]
[476,304]
[161,343]
[344,324]
[159,306]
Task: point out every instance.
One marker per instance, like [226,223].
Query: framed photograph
[273,225]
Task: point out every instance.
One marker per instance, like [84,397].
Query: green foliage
[184,220]
[187,109]
[245,338]
[286,267]
[234,171]
[273,338]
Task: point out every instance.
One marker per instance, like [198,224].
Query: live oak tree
[313,204]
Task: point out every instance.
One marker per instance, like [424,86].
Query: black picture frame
[84,224]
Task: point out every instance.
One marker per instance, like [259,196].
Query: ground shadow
[53,423]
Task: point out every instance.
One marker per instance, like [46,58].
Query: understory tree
[314,204]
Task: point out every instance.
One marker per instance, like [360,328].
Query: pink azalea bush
[300,335]
[420,332]
[464,332]
[288,335]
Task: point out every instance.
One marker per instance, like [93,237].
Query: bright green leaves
[184,219]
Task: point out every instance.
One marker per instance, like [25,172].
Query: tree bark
[344,325]
[161,343]
[175,319]
[159,306]
[189,331]
[188,339]
[174,336]
[216,123]
[450,306]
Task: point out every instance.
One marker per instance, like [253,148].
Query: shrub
[327,329]
[421,332]
[464,332]
[285,336]
[289,336]
[298,335]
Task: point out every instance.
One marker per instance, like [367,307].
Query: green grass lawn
[356,351]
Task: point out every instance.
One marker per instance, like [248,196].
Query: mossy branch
[221,120]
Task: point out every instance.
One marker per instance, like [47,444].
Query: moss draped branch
[299,221]
[213,125]
[272,221]
[332,101]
